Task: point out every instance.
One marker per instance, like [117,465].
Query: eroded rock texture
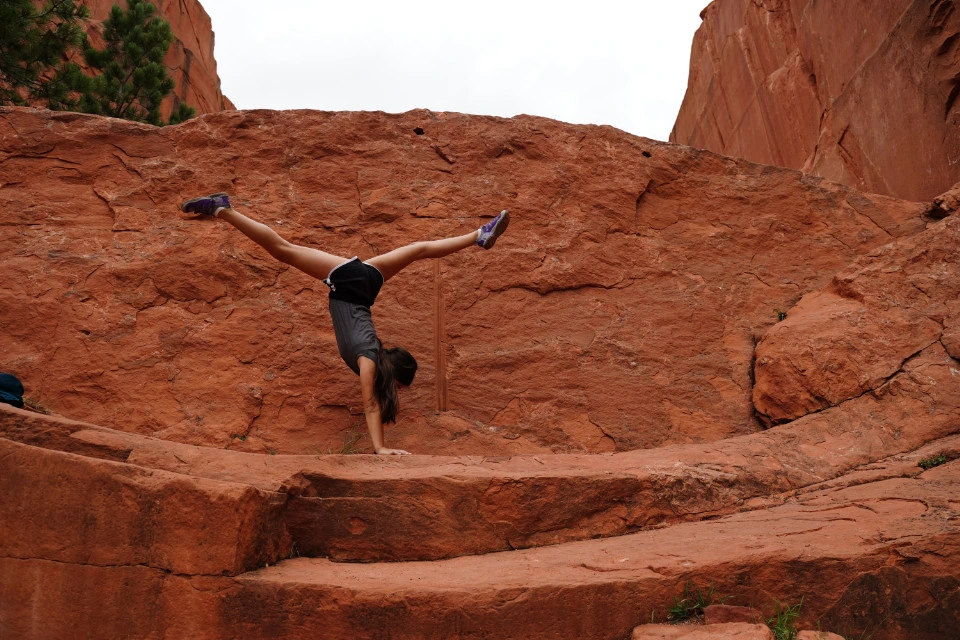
[853,335]
[636,277]
[640,291]
[109,534]
[861,92]
[190,59]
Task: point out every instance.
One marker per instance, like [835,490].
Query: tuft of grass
[352,441]
[781,315]
[932,461]
[692,603]
[784,620]
[36,405]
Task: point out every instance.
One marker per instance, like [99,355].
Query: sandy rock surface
[720,631]
[723,613]
[185,541]
[818,635]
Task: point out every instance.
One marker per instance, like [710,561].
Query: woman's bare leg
[313,262]
[391,263]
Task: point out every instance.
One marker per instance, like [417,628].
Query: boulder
[721,613]
[719,631]
[946,203]
[853,335]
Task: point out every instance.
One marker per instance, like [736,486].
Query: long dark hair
[393,366]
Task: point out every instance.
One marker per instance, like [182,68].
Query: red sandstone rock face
[626,299]
[190,58]
[620,310]
[861,92]
[635,277]
[851,336]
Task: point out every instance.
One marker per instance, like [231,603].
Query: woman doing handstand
[354,286]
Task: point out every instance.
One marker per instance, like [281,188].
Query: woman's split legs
[391,263]
[313,262]
[318,263]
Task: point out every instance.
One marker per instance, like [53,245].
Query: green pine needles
[34,42]
[129,78]
[132,80]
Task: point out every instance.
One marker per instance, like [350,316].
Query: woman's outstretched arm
[371,408]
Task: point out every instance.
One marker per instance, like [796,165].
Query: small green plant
[781,315]
[932,461]
[784,620]
[692,603]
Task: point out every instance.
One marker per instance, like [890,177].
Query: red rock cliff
[620,310]
[636,277]
[861,92]
[190,58]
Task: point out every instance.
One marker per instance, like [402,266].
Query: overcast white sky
[622,63]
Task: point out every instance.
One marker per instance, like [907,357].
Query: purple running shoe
[491,231]
[206,205]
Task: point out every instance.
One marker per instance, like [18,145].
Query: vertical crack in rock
[359,195]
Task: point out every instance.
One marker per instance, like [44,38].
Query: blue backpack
[11,390]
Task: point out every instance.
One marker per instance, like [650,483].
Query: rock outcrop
[108,534]
[852,336]
[861,92]
[636,277]
[651,298]
[190,59]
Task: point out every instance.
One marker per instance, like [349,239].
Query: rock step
[424,507]
[890,545]
[857,549]
[726,631]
